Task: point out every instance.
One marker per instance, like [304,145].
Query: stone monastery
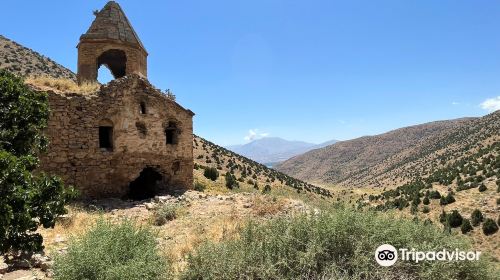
[128,139]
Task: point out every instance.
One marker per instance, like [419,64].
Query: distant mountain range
[397,156]
[271,150]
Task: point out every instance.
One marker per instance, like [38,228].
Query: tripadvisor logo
[387,255]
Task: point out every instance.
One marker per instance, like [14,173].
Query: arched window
[171,133]
[115,60]
[106,135]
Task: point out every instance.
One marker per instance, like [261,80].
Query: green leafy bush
[231,181]
[482,188]
[466,226]
[266,189]
[426,209]
[198,186]
[112,251]
[489,227]
[426,201]
[27,201]
[166,212]
[211,173]
[335,244]
[476,217]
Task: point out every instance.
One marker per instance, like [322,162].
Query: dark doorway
[106,137]
[115,61]
[145,185]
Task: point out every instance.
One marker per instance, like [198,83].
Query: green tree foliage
[476,217]
[426,201]
[482,188]
[266,189]
[211,173]
[489,227]
[454,219]
[27,201]
[231,181]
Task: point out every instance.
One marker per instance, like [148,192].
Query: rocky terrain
[395,157]
[27,62]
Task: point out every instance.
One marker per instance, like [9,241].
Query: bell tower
[110,41]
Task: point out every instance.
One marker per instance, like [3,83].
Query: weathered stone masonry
[127,139]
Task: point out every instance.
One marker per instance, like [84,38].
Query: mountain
[274,149]
[395,157]
[27,62]
[246,171]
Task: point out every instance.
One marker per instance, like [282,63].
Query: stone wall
[139,140]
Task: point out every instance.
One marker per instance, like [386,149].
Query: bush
[335,244]
[482,188]
[426,209]
[434,195]
[200,187]
[112,251]
[447,200]
[231,181]
[166,212]
[454,219]
[476,217]
[466,226]
[27,200]
[489,227]
[267,189]
[211,173]
[426,201]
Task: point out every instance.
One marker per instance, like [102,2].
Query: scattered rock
[149,205]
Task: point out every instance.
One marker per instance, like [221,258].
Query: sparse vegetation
[113,251]
[331,245]
[166,212]
[211,173]
[489,227]
[62,84]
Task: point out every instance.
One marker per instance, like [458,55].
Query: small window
[176,167]
[143,108]
[171,133]
[106,137]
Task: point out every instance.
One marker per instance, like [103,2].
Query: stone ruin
[128,139]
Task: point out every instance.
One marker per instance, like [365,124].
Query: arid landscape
[134,204]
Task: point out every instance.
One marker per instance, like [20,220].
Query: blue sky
[302,70]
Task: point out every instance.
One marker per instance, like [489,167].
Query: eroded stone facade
[142,121]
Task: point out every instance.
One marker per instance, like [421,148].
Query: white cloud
[254,134]
[455,103]
[491,104]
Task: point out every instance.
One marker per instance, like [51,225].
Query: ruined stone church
[128,139]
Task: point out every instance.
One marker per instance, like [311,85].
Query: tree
[476,217]
[466,226]
[426,200]
[489,227]
[482,188]
[231,181]
[454,219]
[211,173]
[27,200]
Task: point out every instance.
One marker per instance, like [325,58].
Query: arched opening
[171,133]
[142,107]
[146,185]
[115,60]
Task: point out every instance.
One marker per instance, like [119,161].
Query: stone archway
[115,60]
[146,185]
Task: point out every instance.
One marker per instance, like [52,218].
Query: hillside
[395,157]
[248,173]
[27,62]
[274,149]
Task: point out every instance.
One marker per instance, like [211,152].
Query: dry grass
[267,206]
[61,85]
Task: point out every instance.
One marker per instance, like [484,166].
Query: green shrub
[166,212]
[112,251]
[466,226]
[266,189]
[489,227]
[28,200]
[434,195]
[426,201]
[426,209]
[482,188]
[454,219]
[476,217]
[231,181]
[447,199]
[198,186]
[211,173]
[335,244]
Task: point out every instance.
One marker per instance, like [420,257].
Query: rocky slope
[395,157]
[27,62]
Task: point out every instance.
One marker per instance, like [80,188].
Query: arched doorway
[115,60]
[146,185]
